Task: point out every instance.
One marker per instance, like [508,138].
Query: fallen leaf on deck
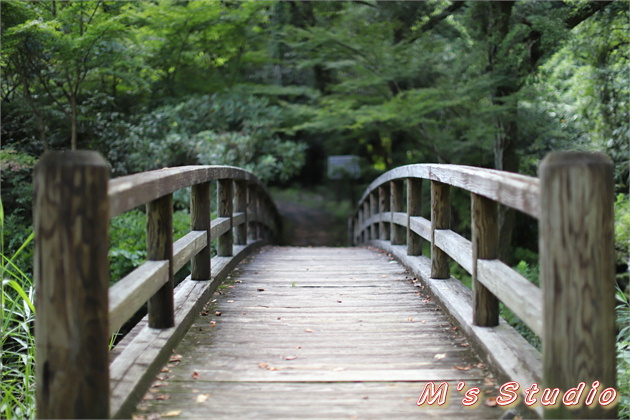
[172,413]
[424,322]
[195,375]
[230,301]
[202,398]
[176,358]
[308,330]
[217,313]
[263,365]
[488,382]
[272,368]
[148,396]
[165,369]
[463,367]
[384,276]
[480,365]
[491,402]
[163,397]
[290,358]
[410,319]
[440,356]
[260,290]
[298,347]
[213,323]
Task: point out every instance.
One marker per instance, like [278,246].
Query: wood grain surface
[318,333]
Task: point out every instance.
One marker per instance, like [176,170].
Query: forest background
[276,87]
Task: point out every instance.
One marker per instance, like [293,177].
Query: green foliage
[229,128]
[622,228]
[623,353]
[17,312]
[128,240]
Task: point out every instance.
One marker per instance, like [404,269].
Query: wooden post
[361,232]
[414,208]
[485,242]
[240,204]
[366,215]
[225,207]
[160,247]
[578,277]
[374,228]
[252,230]
[71,270]
[440,219]
[399,234]
[384,205]
[200,219]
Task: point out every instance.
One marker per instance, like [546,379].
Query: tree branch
[436,19]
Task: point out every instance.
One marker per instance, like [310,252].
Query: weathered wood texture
[240,206]
[440,219]
[384,203]
[319,333]
[501,347]
[485,244]
[578,278]
[225,202]
[71,271]
[160,248]
[200,221]
[414,208]
[399,233]
[139,356]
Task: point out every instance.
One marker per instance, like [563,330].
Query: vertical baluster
[485,242]
[398,232]
[366,212]
[240,204]
[384,205]
[200,219]
[160,247]
[414,208]
[225,209]
[374,212]
[440,219]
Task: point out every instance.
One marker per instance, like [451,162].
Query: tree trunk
[73,107]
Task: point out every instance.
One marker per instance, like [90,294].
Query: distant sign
[345,166]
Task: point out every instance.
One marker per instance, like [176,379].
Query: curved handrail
[74,202]
[513,190]
[573,202]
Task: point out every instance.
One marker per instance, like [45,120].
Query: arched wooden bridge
[376,330]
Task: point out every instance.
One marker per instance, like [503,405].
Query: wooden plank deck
[318,333]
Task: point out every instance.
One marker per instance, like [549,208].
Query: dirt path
[305,226]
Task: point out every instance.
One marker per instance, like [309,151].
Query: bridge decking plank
[361,343]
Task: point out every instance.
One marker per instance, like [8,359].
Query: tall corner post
[71,270]
[578,278]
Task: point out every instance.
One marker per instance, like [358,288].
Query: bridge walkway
[318,333]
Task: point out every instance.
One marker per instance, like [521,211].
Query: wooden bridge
[373,331]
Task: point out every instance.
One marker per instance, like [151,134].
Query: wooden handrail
[572,311]
[78,311]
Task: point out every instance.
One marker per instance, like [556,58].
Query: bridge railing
[77,310]
[573,309]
